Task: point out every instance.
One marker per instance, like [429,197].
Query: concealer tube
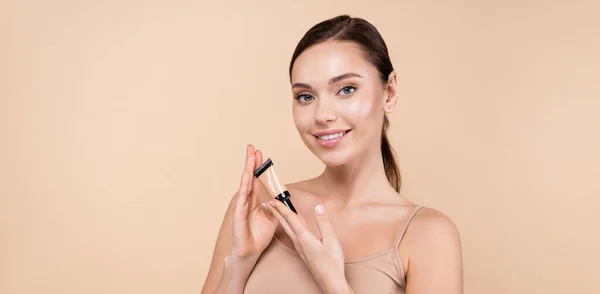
[268,178]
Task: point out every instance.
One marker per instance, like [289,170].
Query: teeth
[331,136]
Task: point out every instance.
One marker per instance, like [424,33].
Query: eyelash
[353,88]
[300,96]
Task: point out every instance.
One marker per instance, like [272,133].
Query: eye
[347,90]
[304,98]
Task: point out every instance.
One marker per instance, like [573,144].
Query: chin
[332,158]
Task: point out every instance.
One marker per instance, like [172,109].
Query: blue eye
[304,98]
[347,90]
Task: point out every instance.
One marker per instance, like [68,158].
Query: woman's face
[339,101]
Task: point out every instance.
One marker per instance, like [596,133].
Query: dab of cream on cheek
[269,180]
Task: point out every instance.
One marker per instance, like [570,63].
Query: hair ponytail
[392,172]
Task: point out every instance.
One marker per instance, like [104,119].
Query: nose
[325,112]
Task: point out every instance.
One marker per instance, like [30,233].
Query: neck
[360,180]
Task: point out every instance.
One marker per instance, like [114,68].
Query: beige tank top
[281,270]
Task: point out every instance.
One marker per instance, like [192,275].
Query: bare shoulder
[432,252]
[430,232]
[433,225]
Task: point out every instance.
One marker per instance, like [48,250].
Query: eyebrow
[331,81]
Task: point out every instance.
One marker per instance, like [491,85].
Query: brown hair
[363,33]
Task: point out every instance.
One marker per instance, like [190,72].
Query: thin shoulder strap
[405,227]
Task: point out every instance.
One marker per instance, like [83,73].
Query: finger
[282,221]
[291,218]
[256,188]
[242,194]
[265,210]
[302,219]
[245,166]
[295,223]
[323,223]
[259,158]
[249,167]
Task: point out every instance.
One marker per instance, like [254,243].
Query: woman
[354,232]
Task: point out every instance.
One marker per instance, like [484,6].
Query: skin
[351,197]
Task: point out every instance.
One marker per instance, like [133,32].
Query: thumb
[322,220]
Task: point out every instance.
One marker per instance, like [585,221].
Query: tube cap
[285,199]
[263,167]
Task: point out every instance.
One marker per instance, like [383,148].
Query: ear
[391,94]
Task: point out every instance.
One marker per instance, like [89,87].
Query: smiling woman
[353,232]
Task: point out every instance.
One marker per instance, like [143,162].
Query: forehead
[325,60]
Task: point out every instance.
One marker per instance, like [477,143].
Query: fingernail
[272,203]
[264,206]
[320,209]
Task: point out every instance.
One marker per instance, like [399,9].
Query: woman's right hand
[253,224]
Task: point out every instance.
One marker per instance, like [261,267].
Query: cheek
[361,110]
[301,117]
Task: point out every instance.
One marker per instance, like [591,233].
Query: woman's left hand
[324,257]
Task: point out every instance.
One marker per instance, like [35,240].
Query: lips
[330,132]
[331,138]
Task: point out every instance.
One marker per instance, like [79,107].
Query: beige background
[123,126]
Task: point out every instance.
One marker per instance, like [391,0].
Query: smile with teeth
[332,136]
